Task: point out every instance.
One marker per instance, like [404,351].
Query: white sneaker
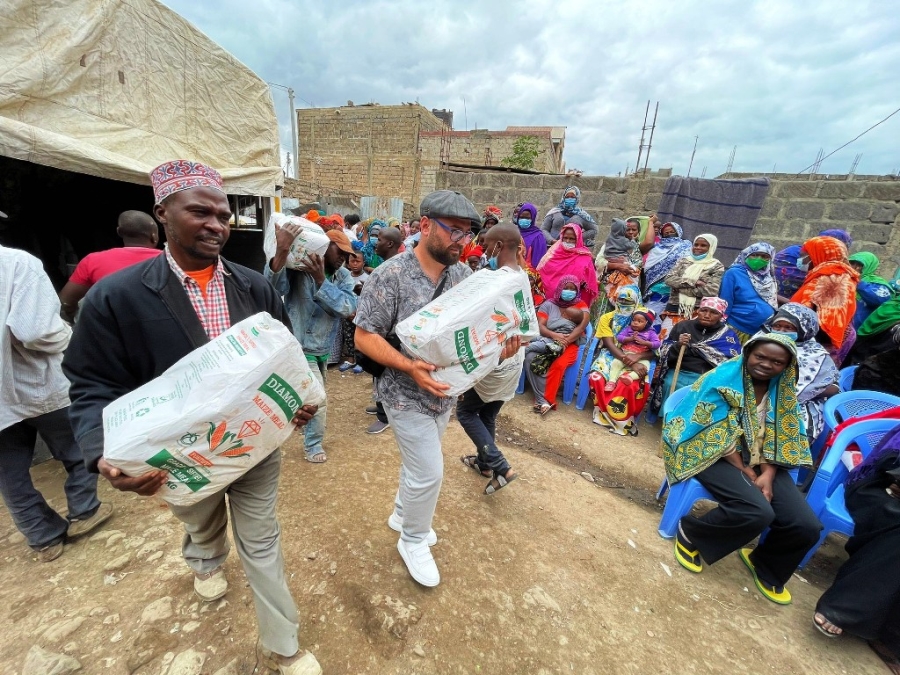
[211,586]
[419,562]
[396,524]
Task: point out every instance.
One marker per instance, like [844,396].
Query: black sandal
[472,462]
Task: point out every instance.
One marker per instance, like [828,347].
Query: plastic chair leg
[663,488]
[813,550]
[521,388]
[681,498]
[570,379]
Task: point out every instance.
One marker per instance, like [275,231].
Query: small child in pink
[636,338]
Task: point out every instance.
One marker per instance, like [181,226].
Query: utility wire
[849,142]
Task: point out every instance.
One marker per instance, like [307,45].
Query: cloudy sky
[779,79]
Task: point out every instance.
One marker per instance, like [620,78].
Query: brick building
[396,151]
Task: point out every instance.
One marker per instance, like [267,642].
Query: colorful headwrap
[646,313]
[720,408]
[718,304]
[870,263]
[313,216]
[477,252]
[841,235]
[561,286]
[181,174]
[493,212]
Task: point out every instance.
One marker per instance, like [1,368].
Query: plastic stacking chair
[846,405]
[521,388]
[826,496]
[670,403]
[584,388]
[570,379]
[846,378]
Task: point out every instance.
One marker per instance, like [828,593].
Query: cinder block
[884,214]
[850,210]
[794,189]
[841,189]
[771,207]
[804,209]
[527,181]
[883,190]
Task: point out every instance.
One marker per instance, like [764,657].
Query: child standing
[637,337]
[359,276]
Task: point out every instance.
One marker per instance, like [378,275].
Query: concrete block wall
[794,210]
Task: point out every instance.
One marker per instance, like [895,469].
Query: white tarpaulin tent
[112,88]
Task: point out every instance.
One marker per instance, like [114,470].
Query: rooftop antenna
[818,162]
[855,164]
[731,160]
[696,138]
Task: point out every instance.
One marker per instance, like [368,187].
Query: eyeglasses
[455,234]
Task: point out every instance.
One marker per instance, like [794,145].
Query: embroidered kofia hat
[182,174]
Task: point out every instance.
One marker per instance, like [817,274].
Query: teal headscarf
[720,408]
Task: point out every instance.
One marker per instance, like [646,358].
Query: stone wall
[369,149]
[795,209]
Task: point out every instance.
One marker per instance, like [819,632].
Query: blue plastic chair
[584,389]
[845,382]
[570,379]
[670,403]
[846,405]
[826,496]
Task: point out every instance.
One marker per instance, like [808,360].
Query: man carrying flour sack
[416,405]
[137,323]
[478,407]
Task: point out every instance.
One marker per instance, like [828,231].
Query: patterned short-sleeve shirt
[395,290]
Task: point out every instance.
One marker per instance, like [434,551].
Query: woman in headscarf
[749,289]
[569,256]
[707,341]
[829,289]
[738,431]
[864,599]
[617,409]
[661,260]
[694,277]
[788,277]
[817,376]
[566,302]
[841,235]
[568,211]
[366,245]
[532,235]
[624,256]
[872,291]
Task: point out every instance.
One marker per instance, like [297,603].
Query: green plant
[524,152]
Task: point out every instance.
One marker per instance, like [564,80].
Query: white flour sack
[216,413]
[462,331]
[311,240]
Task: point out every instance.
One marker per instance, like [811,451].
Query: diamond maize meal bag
[214,414]
[462,331]
[311,240]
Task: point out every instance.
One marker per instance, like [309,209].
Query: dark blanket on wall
[726,208]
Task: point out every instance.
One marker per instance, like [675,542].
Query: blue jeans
[314,432]
[479,420]
[41,525]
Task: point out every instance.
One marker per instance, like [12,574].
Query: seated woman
[638,337]
[660,261]
[532,234]
[617,409]
[570,257]
[696,276]
[750,290]
[788,277]
[624,256]
[817,376]
[872,291]
[707,341]
[829,289]
[568,212]
[876,335]
[738,432]
[864,599]
[545,383]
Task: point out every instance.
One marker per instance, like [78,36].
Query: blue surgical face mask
[792,334]
[567,295]
[699,257]
[524,223]
[570,202]
[492,261]
[803,264]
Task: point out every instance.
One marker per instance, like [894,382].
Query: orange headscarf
[829,287]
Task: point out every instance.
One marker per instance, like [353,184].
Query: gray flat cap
[449,204]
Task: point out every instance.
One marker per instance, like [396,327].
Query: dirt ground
[554,574]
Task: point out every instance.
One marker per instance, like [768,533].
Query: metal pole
[296,148]
[650,142]
[696,138]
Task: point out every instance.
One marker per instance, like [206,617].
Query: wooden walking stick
[659,451]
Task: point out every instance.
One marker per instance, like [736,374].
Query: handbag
[371,366]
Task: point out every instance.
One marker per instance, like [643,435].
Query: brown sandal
[472,462]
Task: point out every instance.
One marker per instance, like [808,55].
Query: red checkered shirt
[211,310]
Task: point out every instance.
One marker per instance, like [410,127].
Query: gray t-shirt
[395,290]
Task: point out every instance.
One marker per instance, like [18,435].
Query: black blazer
[134,325]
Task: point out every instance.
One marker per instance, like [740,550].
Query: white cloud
[778,79]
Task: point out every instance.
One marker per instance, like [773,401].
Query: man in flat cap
[137,323]
[416,405]
[316,297]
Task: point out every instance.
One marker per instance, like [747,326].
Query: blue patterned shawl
[718,411]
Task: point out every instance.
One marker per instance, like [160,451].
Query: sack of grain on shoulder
[214,414]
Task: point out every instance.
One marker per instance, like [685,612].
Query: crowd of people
[759,341]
